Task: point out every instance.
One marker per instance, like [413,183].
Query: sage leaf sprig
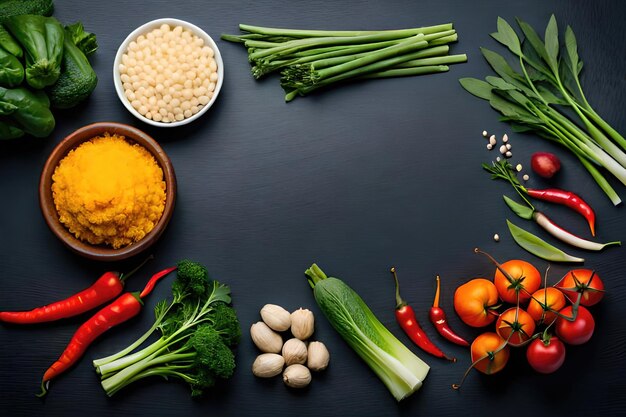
[535,96]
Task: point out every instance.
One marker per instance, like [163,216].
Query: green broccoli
[198,330]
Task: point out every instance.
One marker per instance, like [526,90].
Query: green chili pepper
[9,43]
[11,70]
[25,110]
[42,40]
[539,247]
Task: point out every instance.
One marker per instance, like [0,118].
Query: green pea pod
[11,70]
[42,40]
[9,43]
[539,247]
[32,110]
[9,130]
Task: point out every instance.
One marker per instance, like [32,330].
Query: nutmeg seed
[265,338]
[302,323]
[318,356]
[276,317]
[297,376]
[294,351]
[267,365]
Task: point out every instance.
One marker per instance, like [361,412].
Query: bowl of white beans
[168,72]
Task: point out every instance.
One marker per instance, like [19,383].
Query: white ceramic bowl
[147,27]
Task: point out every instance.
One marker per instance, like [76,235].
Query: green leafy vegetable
[531,98]
[312,59]
[399,369]
[198,332]
[539,247]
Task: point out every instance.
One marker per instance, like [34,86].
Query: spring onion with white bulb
[311,59]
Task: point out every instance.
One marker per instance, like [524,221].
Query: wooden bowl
[46,202]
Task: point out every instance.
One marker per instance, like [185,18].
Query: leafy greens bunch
[537,96]
[311,59]
[198,331]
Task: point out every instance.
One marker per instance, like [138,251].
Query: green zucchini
[16,7]
[77,80]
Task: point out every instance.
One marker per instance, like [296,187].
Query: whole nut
[294,351]
[302,323]
[297,376]
[276,317]
[265,338]
[318,356]
[267,365]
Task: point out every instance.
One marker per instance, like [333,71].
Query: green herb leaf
[531,56]
[533,39]
[521,210]
[504,70]
[477,87]
[552,43]
[571,47]
[507,36]
[499,83]
[539,247]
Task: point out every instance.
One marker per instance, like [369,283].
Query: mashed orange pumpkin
[109,191]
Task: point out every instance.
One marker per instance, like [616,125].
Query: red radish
[545,164]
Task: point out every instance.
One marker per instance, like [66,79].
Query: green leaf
[504,70]
[533,39]
[532,57]
[552,43]
[539,247]
[507,108]
[521,210]
[571,47]
[516,127]
[499,83]
[549,96]
[477,87]
[507,36]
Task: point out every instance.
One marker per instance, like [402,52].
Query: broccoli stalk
[198,331]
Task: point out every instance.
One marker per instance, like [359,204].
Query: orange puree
[108,191]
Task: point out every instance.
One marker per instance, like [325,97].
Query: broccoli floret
[198,330]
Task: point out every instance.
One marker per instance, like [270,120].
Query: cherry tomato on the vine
[546,356]
[525,279]
[577,331]
[544,303]
[492,347]
[474,302]
[585,282]
[515,325]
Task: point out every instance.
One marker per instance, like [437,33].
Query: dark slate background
[357,179]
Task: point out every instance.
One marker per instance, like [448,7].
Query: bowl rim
[70,142]
[117,82]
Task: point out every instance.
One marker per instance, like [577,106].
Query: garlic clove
[294,351]
[265,338]
[276,317]
[302,323]
[318,356]
[297,376]
[267,365]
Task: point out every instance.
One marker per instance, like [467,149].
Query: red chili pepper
[407,320]
[125,307]
[568,199]
[107,287]
[438,319]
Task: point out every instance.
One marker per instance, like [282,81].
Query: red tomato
[474,302]
[516,326]
[546,356]
[544,303]
[523,278]
[582,281]
[579,330]
[494,350]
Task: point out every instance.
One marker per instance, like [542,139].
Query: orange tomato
[491,347]
[515,325]
[474,302]
[523,276]
[544,303]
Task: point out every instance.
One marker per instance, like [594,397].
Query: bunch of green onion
[311,59]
